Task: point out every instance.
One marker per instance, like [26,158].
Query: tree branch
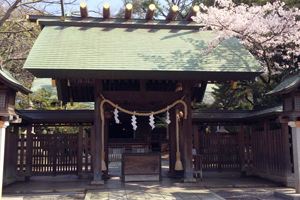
[17,31]
[9,11]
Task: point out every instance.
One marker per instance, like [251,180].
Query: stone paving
[68,187]
[156,193]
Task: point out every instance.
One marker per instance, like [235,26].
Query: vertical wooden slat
[29,145]
[79,152]
[55,140]
[266,146]
[219,151]
[241,142]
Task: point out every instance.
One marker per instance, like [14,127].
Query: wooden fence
[268,152]
[219,151]
[54,154]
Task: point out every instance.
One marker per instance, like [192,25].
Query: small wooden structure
[141,167]
[8,89]
[290,117]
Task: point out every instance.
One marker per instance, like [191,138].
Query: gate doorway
[54,154]
[219,151]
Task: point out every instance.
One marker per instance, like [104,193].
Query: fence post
[79,151]
[219,151]
[29,146]
[241,145]
[54,153]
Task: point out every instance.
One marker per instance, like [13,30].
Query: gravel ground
[247,193]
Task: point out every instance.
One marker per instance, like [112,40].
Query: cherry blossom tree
[270,32]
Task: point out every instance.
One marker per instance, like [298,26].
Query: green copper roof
[287,84]
[97,52]
[11,82]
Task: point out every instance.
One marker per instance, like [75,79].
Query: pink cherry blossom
[266,31]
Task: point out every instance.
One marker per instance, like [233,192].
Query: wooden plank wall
[268,152]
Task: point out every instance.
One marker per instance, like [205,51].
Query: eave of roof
[149,53]
[234,115]
[64,116]
[58,116]
[11,82]
[287,84]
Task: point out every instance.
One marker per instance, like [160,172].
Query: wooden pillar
[29,146]
[3,125]
[241,142]
[187,135]
[97,170]
[10,158]
[92,148]
[287,167]
[296,153]
[172,143]
[106,131]
[196,145]
[80,150]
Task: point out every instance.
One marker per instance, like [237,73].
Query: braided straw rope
[142,114]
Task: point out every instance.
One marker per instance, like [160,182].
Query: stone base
[288,195]
[97,182]
[191,180]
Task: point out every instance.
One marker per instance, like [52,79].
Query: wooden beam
[53,83]
[150,12]
[106,10]
[140,96]
[233,84]
[172,13]
[84,10]
[192,12]
[128,11]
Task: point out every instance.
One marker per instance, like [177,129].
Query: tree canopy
[270,32]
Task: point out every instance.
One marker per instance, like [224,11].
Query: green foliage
[44,99]
[247,96]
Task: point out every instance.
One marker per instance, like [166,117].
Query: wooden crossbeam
[233,84]
[106,10]
[150,12]
[142,96]
[192,12]
[84,10]
[128,11]
[172,13]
